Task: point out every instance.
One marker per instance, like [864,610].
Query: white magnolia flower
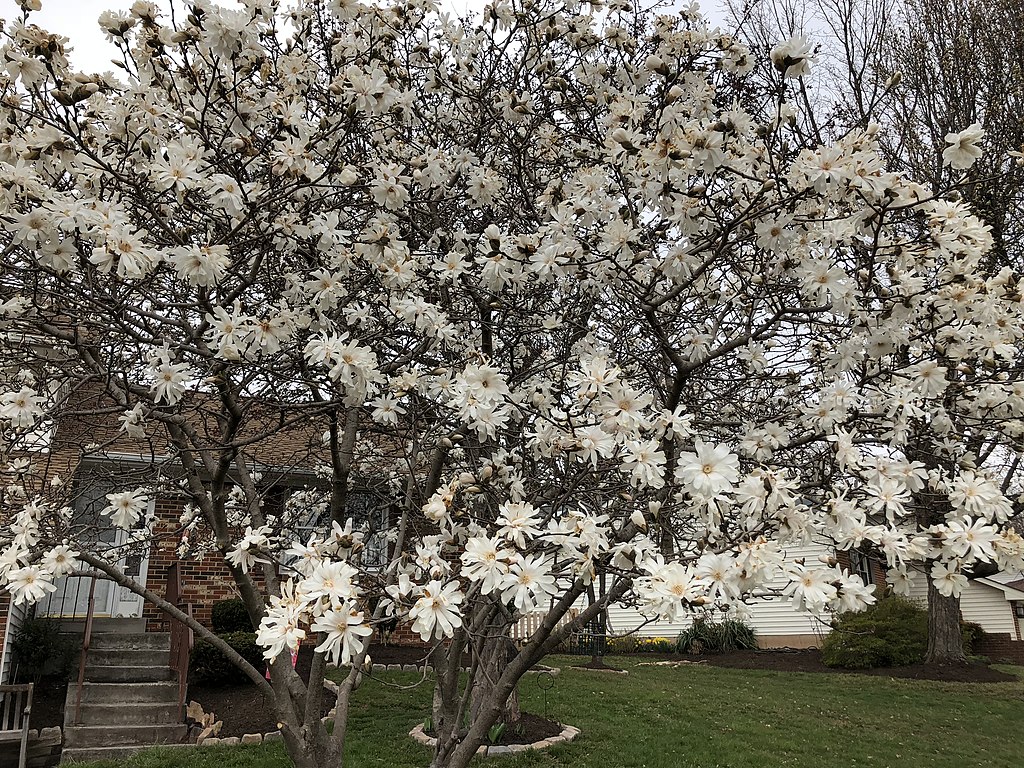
[279,629]
[793,57]
[710,471]
[436,614]
[21,408]
[29,584]
[126,508]
[528,583]
[169,381]
[246,553]
[331,581]
[948,579]
[519,522]
[486,561]
[969,540]
[853,594]
[60,561]
[812,589]
[346,633]
[963,149]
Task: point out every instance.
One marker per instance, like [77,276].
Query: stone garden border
[569,732]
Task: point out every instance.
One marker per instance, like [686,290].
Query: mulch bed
[809,660]
[528,729]
[48,699]
[243,708]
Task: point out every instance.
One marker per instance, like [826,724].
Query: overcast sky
[76,19]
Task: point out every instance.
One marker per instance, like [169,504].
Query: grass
[695,716]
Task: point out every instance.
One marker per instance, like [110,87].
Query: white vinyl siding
[775,617]
[980,603]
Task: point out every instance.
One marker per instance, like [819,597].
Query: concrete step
[119,693]
[128,657]
[131,640]
[129,674]
[89,754]
[137,713]
[101,625]
[115,735]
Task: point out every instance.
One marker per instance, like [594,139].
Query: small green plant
[707,636]
[41,650]
[627,644]
[972,633]
[891,633]
[230,616]
[428,725]
[497,731]
[208,666]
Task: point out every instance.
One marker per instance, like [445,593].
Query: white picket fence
[523,629]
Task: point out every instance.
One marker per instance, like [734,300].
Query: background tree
[924,70]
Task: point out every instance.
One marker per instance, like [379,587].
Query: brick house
[284,456]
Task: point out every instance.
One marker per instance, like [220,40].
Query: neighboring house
[995,603]
[777,623]
[285,459]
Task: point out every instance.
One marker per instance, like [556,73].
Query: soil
[48,699]
[809,660]
[527,730]
[243,708]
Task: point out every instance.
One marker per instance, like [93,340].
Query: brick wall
[5,605]
[203,582]
[1000,647]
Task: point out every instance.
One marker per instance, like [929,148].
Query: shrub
[41,650]
[707,636]
[972,632]
[891,633]
[230,616]
[208,666]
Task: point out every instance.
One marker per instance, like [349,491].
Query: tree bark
[498,650]
[945,639]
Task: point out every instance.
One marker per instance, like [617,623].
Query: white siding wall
[775,617]
[15,617]
[979,603]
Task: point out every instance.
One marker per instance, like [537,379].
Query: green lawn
[698,716]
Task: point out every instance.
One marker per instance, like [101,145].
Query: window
[307,513]
[860,564]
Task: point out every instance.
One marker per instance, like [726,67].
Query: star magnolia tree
[541,280]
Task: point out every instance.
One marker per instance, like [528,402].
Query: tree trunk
[498,649]
[599,627]
[945,640]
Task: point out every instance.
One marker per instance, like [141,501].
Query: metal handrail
[181,634]
[86,640]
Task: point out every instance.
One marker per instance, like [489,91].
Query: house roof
[281,441]
[1012,591]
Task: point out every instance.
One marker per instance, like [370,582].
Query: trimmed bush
[230,616]
[972,632]
[707,636]
[208,666]
[41,650]
[891,633]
